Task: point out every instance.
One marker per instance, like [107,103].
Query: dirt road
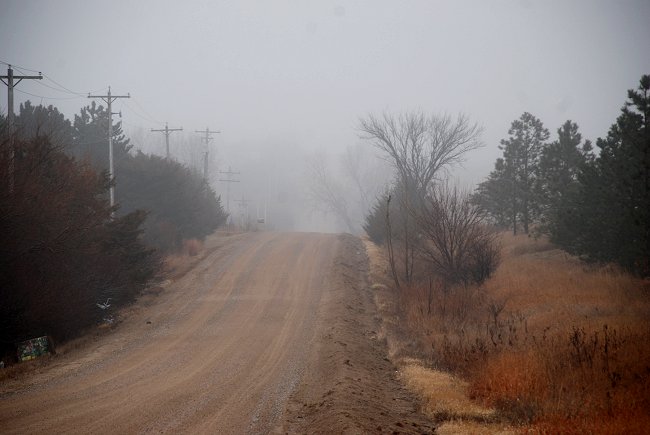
[243,343]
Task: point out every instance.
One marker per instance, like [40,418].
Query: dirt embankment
[349,384]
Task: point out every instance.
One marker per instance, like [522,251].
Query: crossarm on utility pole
[167,131]
[207,138]
[229,173]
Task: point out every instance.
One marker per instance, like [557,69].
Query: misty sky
[301,73]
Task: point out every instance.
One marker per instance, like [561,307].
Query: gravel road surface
[241,343]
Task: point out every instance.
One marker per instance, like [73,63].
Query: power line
[56,89]
[140,115]
[145,112]
[81,94]
[18,67]
[62,87]
[229,173]
[44,97]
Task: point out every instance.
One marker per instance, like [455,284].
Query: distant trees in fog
[596,205]
[517,173]
[533,176]
[345,187]
[179,203]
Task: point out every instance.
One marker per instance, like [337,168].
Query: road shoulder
[349,385]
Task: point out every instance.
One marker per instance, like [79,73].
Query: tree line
[64,249]
[594,203]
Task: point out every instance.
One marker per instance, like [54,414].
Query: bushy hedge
[180,203]
[60,252]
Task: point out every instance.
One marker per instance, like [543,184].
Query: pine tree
[181,205]
[90,137]
[60,251]
[494,196]
[509,194]
[40,121]
[557,184]
[612,209]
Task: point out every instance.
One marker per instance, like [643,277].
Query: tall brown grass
[192,247]
[550,342]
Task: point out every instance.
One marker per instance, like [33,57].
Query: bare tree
[419,147]
[454,239]
[366,173]
[346,189]
[326,193]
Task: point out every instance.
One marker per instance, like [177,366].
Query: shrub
[454,240]
[61,253]
[375,222]
[192,247]
[546,340]
[181,205]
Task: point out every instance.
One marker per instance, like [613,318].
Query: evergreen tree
[521,152]
[557,184]
[60,251]
[509,194]
[493,196]
[40,121]
[181,205]
[375,224]
[90,137]
[612,208]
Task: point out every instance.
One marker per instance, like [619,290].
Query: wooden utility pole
[206,138]
[229,173]
[167,131]
[10,77]
[243,205]
[109,100]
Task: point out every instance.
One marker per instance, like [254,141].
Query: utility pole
[167,131]
[229,173]
[243,205]
[10,77]
[109,100]
[207,138]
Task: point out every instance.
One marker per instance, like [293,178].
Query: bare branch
[421,146]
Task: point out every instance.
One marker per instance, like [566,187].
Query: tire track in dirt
[222,352]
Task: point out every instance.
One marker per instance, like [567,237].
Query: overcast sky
[302,72]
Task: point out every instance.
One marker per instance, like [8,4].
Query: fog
[285,82]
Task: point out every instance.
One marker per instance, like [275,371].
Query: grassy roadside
[547,345]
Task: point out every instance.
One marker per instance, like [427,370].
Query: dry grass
[444,395]
[552,344]
[552,289]
[192,247]
[176,265]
